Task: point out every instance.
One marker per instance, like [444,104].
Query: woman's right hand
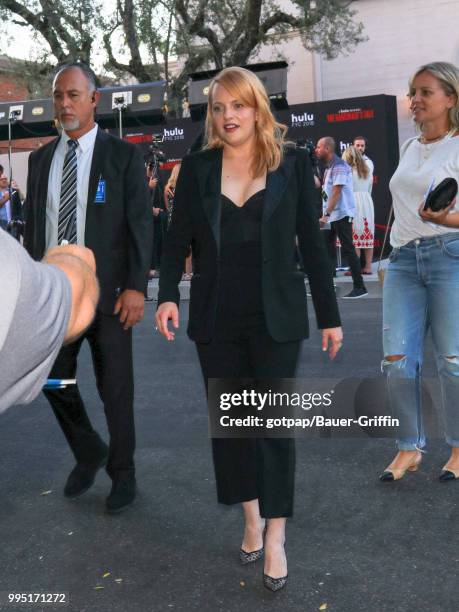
[441,217]
[167,310]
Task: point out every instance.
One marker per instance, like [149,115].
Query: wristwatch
[326,214]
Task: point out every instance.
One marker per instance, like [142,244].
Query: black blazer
[119,232]
[289,211]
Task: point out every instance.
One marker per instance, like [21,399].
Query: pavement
[343,284]
[355,544]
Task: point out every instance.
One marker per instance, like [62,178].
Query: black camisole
[240,305]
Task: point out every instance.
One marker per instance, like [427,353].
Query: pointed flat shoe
[447,474]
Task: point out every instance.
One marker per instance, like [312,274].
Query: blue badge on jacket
[100,193]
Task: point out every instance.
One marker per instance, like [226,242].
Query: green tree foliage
[139,37]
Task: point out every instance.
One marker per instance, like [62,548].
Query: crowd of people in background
[346,209]
[344,187]
[346,205]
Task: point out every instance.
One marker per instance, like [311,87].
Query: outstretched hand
[167,310]
[332,340]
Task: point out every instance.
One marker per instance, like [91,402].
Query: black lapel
[210,185]
[97,172]
[276,182]
[48,155]
[42,190]
[97,165]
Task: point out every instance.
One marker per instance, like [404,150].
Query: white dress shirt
[84,152]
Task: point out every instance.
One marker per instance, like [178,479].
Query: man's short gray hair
[91,77]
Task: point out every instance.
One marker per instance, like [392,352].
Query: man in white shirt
[339,208]
[88,187]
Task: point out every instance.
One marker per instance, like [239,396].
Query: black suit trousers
[343,228]
[256,468]
[111,349]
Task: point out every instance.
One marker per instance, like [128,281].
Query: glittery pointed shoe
[274,584]
[250,557]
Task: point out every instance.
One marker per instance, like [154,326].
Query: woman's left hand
[440,217]
[332,337]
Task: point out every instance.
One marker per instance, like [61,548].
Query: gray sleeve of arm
[36,330]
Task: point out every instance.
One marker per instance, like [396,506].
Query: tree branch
[198,28]
[56,22]
[40,23]
[251,38]
[112,61]
[136,66]
[168,44]
[277,18]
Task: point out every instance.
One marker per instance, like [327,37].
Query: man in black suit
[88,187]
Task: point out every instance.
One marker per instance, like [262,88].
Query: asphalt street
[355,544]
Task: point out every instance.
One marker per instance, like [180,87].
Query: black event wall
[374,117]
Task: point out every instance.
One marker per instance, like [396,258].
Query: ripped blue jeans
[421,291]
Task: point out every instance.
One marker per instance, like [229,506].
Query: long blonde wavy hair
[269,134]
[354,158]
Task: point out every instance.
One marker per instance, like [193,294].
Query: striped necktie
[66,228]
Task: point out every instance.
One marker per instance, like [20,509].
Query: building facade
[402,35]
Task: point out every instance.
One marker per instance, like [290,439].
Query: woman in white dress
[364,220]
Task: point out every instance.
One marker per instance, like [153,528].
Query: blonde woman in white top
[421,289]
[363,233]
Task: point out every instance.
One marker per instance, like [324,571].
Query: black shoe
[274,584]
[355,294]
[250,557]
[81,478]
[122,494]
[447,475]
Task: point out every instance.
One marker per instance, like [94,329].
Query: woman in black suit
[240,203]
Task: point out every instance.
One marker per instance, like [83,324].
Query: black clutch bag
[442,196]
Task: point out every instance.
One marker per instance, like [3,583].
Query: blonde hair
[355,159]
[448,75]
[269,134]
[174,176]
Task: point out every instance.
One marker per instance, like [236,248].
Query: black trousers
[343,228]
[330,244]
[111,349]
[159,230]
[256,468]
